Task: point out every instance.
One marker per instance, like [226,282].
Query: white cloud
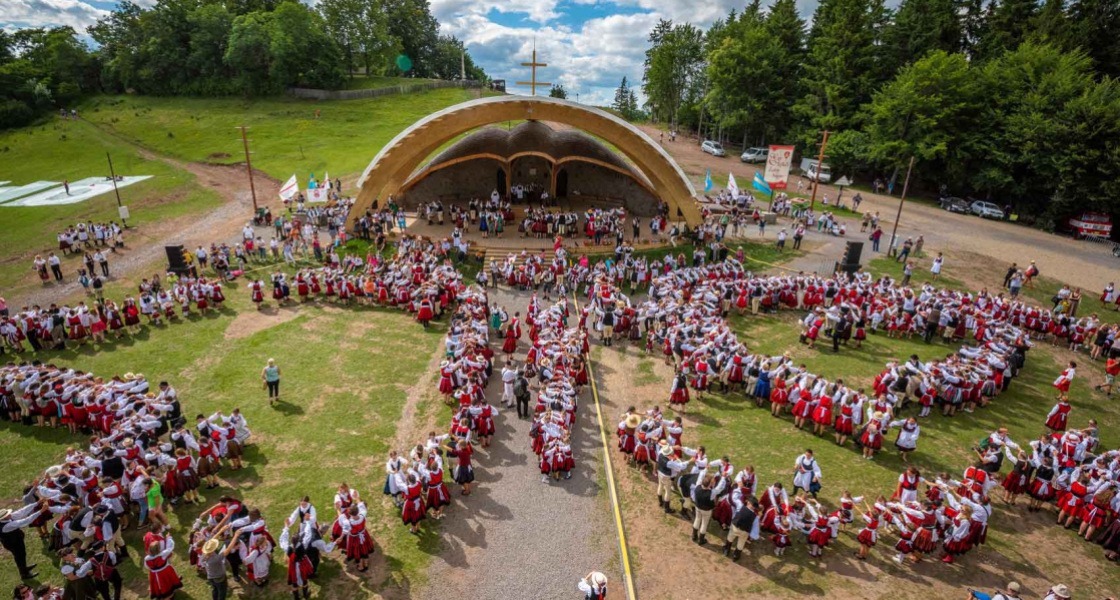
[540,11]
[49,13]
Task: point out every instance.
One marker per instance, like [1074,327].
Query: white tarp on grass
[8,194]
[80,191]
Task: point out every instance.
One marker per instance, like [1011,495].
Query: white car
[755,155]
[819,173]
[713,148]
[986,210]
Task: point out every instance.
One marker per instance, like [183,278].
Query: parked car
[986,210]
[755,155]
[955,205]
[819,173]
[713,148]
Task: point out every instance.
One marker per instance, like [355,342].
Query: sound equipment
[175,261]
[850,262]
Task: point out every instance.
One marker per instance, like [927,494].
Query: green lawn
[343,400]
[285,135]
[75,150]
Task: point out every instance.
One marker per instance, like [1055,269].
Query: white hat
[1060,590]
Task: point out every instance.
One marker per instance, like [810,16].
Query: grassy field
[343,401]
[285,135]
[75,150]
[732,424]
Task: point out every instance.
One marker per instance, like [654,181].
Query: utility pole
[249,165]
[897,217]
[817,179]
[113,175]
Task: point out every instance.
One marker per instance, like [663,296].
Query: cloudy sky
[589,45]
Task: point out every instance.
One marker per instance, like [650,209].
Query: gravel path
[515,537]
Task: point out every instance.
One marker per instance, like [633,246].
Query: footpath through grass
[347,374]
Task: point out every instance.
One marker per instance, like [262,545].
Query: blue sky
[589,45]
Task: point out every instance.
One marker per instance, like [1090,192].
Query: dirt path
[144,249]
[1090,266]
[514,536]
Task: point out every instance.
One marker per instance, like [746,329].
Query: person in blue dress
[762,387]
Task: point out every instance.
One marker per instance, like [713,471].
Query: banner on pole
[289,189]
[732,186]
[778,164]
[317,195]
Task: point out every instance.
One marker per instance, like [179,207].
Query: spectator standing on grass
[102,261]
[271,377]
[1015,283]
[1030,274]
[798,235]
[907,272]
[1014,268]
[876,235]
[905,253]
[782,240]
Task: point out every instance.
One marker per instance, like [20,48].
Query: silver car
[986,210]
[755,155]
[713,148]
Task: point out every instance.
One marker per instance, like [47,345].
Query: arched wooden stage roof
[391,168]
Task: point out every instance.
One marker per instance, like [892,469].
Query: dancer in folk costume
[256,290]
[678,393]
[356,540]
[869,535]
[413,510]
[513,334]
[1058,417]
[958,536]
[464,472]
[1064,380]
[299,567]
[162,578]
[908,483]
[438,496]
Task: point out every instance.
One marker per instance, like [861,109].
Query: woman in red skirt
[299,565]
[678,395]
[438,495]
[822,414]
[871,439]
[413,510]
[958,536]
[357,543]
[425,313]
[844,424]
[779,397]
[162,578]
[869,534]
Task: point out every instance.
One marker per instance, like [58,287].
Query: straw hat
[53,471]
[5,513]
[1060,590]
[211,546]
[632,421]
[128,376]
[598,578]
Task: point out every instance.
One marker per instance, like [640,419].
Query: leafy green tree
[558,91]
[924,112]
[451,58]
[210,27]
[412,24]
[1052,26]
[302,53]
[249,54]
[361,28]
[675,68]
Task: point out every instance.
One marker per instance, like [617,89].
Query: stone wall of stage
[597,186]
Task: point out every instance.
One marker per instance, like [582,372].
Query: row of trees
[224,47]
[1007,99]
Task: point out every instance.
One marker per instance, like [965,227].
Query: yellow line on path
[630,593]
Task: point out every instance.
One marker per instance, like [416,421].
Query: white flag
[289,189]
[327,178]
[731,185]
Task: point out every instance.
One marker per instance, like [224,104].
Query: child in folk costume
[820,533]
[907,440]
[958,538]
[256,290]
[908,482]
[413,510]
[780,539]
[299,564]
[1058,417]
[438,495]
[1064,380]
[1018,480]
[871,440]
[844,423]
[869,535]
[162,578]
[464,472]
[678,394]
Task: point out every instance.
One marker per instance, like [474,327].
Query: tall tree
[249,53]
[411,22]
[843,67]
[625,101]
[921,27]
[1007,26]
[1051,26]
[786,28]
[1095,27]
[361,28]
[558,91]
[674,70]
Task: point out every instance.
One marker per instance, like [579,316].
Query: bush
[14,113]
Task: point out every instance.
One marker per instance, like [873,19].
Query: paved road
[514,536]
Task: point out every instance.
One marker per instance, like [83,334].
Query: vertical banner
[289,189]
[777,166]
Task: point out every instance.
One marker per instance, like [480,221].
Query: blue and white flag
[760,184]
[708,181]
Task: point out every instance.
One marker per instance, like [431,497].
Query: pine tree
[1006,26]
[624,101]
[922,26]
[1051,25]
[1095,27]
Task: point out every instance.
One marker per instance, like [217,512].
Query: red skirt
[1057,422]
[164,582]
[923,541]
[413,511]
[1015,482]
[445,385]
[957,548]
[801,408]
[723,512]
[780,540]
[868,440]
[358,546]
[843,425]
[424,315]
[822,415]
[866,537]
[438,496]
[510,345]
[1094,515]
[679,396]
[820,537]
[299,571]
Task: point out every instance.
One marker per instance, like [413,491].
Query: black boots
[735,556]
[727,549]
[703,540]
[695,534]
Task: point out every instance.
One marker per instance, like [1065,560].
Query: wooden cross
[534,64]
